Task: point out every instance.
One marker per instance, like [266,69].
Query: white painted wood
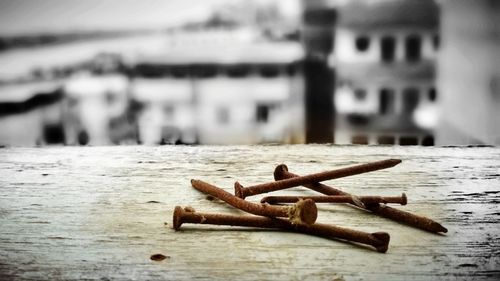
[77,213]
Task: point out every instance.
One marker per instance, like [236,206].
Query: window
[436,41]
[360,94]
[362,43]
[432,94]
[269,71]
[408,141]
[428,141]
[413,47]
[359,139]
[53,133]
[262,113]
[83,137]
[205,71]
[410,99]
[386,140]
[291,69]
[386,101]
[238,71]
[180,71]
[222,115]
[356,119]
[387,48]
[152,71]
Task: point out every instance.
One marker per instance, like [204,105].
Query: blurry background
[390,72]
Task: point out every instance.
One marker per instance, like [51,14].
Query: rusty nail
[243,192]
[365,200]
[281,172]
[303,211]
[379,240]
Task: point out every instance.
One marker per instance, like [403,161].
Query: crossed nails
[301,215]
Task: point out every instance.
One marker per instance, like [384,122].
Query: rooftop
[365,14]
[228,53]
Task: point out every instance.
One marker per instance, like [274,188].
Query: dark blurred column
[318,24]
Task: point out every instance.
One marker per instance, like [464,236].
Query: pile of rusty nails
[301,216]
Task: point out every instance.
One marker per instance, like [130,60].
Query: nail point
[395,161]
[442,229]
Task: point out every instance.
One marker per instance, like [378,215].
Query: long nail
[243,192]
[379,240]
[365,200]
[303,211]
[281,173]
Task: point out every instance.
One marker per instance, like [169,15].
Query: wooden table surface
[77,213]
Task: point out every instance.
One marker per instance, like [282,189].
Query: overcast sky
[27,16]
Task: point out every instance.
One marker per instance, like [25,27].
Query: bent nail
[303,211]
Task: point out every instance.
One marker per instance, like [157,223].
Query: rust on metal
[243,192]
[378,240]
[281,173]
[365,200]
[303,211]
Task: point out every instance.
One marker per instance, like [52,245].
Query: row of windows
[262,113]
[387,98]
[412,46]
[208,71]
[393,140]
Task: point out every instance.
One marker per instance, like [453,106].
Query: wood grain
[77,213]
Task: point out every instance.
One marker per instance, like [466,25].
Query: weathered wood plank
[100,213]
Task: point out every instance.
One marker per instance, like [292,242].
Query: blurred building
[31,112]
[234,77]
[218,86]
[469,73]
[93,107]
[391,72]
[72,93]
[385,59]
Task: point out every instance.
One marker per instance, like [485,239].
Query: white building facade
[242,92]
[31,112]
[384,57]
